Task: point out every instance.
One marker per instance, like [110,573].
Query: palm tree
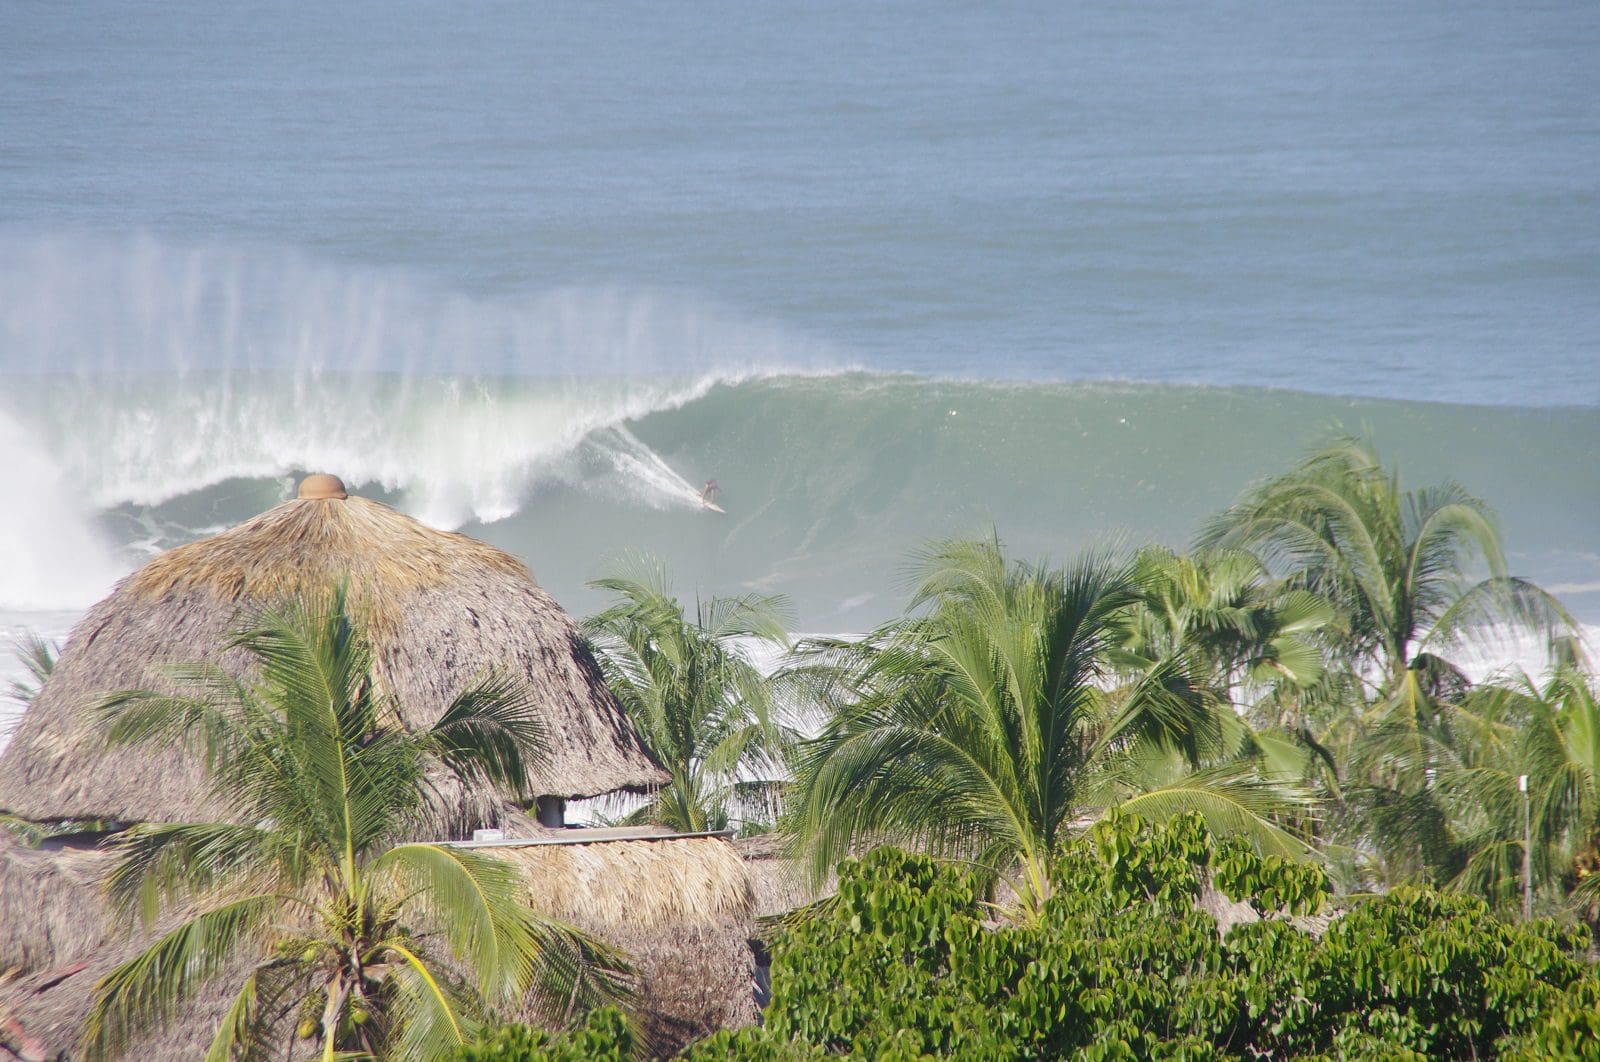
[38,657]
[983,726]
[693,691]
[376,947]
[1395,564]
[1238,627]
[1248,640]
[1392,561]
[1551,734]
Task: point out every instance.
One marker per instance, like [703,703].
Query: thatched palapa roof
[682,907]
[441,610]
[780,882]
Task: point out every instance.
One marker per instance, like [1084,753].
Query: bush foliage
[909,961]
[604,1036]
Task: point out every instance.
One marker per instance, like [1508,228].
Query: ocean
[1079,273]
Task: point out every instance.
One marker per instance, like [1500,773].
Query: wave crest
[150,370]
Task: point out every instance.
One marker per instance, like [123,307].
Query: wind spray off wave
[148,371]
[167,392]
[53,555]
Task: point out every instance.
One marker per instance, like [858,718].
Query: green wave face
[829,482]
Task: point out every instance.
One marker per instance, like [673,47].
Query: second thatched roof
[681,906]
[442,610]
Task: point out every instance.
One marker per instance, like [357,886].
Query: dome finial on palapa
[321,485]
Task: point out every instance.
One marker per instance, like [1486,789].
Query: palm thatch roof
[45,1001]
[681,906]
[781,883]
[442,610]
[49,1008]
[638,882]
[57,939]
[50,904]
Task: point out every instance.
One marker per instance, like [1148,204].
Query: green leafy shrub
[908,961]
[605,1036]
[753,1044]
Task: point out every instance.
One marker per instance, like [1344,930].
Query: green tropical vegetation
[1291,689]
[605,1035]
[1121,964]
[698,700]
[1295,679]
[308,898]
[1031,786]
[986,723]
[1475,818]
[1234,625]
[905,962]
[1397,566]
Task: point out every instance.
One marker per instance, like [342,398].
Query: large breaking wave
[153,394]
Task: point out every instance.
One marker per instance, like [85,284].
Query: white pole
[1527,852]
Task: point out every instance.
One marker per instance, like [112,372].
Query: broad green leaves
[905,963]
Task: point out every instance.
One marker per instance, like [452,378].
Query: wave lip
[151,370]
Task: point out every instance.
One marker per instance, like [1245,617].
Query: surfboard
[714,507]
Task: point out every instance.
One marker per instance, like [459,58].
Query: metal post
[1527,852]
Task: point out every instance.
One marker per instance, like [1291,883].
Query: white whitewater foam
[642,475]
[147,371]
[1517,652]
[50,553]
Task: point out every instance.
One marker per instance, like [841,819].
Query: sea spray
[115,307]
[52,555]
[166,391]
[152,370]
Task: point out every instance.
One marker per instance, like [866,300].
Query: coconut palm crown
[984,725]
[308,900]
[1391,560]
[1221,608]
[1471,819]
[700,703]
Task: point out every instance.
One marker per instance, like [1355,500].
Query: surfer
[708,493]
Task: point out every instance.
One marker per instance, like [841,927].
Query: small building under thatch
[441,610]
[681,906]
[58,941]
[781,883]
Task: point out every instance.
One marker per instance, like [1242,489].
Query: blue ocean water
[886,271]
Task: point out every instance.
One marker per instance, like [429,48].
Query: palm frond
[1234,802]
[147,990]
[38,658]
[492,734]
[479,905]
[157,863]
[429,1017]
